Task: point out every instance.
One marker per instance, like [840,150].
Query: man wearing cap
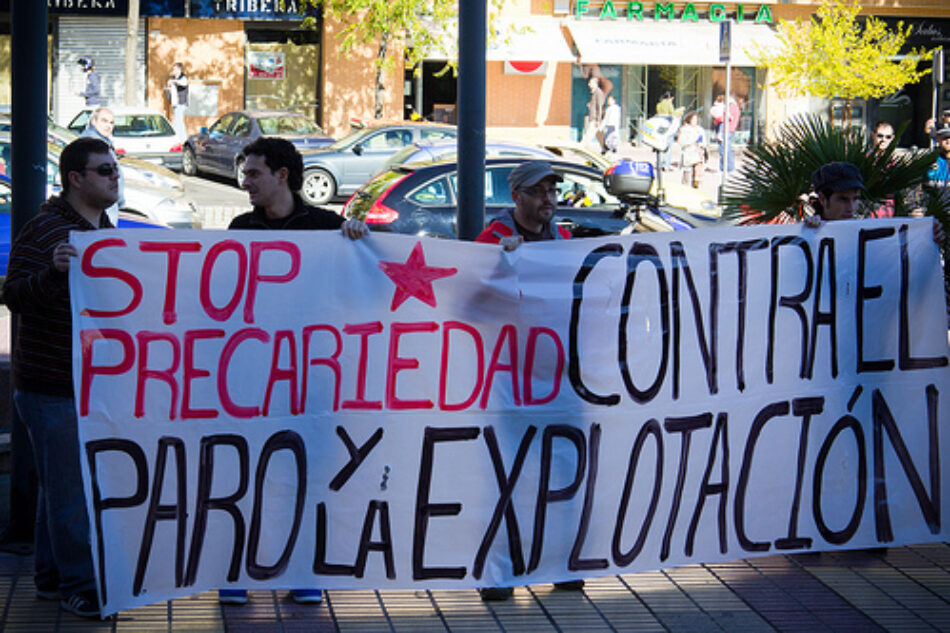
[534,191]
[940,173]
[837,189]
[933,126]
[93,90]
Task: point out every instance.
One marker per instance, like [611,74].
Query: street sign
[725,40]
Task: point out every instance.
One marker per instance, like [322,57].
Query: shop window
[282,69]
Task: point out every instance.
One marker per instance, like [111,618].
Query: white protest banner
[292,409]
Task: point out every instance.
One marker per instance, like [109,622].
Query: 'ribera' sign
[291,409]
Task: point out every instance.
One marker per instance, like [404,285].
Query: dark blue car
[217,150]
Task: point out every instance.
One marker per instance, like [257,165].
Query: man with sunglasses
[883,136]
[534,191]
[37,292]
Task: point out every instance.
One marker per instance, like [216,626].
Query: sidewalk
[906,589]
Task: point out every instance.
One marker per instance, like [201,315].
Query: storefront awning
[664,43]
[534,40]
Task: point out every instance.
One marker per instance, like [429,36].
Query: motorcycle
[639,185]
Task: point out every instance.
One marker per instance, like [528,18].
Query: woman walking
[693,160]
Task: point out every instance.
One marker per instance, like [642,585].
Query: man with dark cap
[837,196]
[837,189]
[940,173]
[93,90]
[534,191]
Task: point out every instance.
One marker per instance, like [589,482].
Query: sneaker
[569,585]
[232,596]
[47,592]
[85,604]
[496,594]
[307,596]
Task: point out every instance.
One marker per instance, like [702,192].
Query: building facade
[259,54]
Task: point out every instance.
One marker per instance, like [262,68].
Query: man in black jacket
[37,292]
[273,174]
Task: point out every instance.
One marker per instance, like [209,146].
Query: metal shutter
[102,38]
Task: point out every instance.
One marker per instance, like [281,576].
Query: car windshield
[139,125]
[288,124]
[351,139]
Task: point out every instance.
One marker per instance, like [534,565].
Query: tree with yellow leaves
[835,55]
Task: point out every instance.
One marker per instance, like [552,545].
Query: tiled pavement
[904,589]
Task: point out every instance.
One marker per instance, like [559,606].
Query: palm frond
[775,174]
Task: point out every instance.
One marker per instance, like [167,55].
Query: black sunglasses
[885,136]
[105,169]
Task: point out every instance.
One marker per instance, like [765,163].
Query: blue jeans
[731,158]
[62,555]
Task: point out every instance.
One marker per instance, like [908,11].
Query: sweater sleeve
[32,284]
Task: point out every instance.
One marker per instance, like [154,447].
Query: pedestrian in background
[101,125]
[93,90]
[177,89]
[595,113]
[725,119]
[36,290]
[273,175]
[693,147]
[665,107]
[611,125]
[939,174]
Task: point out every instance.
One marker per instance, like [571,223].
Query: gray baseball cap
[837,176]
[530,173]
[943,132]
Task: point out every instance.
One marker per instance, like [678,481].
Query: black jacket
[303,218]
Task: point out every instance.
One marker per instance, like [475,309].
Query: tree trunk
[380,88]
[131,48]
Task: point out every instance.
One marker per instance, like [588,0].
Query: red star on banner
[414,278]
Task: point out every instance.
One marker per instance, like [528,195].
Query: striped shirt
[39,295]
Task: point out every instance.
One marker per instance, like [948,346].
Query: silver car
[151,191]
[139,133]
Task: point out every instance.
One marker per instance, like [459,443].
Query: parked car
[217,149]
[139,133]
[427,152]
[126,221]
[150,191]
[341,168]
[423,200]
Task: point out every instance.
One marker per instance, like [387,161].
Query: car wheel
[239,172]
[189,166]
[318,187]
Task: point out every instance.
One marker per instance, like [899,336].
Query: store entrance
[431,94]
